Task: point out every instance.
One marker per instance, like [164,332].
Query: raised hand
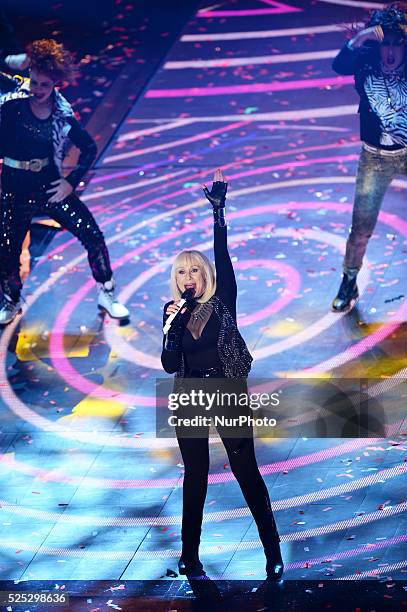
[18,61]
[374,33]
[217,195]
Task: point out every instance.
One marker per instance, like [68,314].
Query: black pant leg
[15,218]
[243,463]
[195,455]
[75,217]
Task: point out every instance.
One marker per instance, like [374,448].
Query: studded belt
[33,165]
[384,152]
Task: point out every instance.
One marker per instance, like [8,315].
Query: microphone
[185,297]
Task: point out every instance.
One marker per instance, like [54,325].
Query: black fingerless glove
[217,197]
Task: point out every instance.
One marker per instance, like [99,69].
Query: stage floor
[87,491]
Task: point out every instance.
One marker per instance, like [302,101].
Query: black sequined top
[23,137]
[203,353]
[26,134]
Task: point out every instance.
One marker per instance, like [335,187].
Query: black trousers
[23,197]
[243,463]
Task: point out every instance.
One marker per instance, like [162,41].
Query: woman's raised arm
[226,287]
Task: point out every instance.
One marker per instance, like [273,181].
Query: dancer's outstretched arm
[349,58]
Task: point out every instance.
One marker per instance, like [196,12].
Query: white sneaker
[108,302]
[9,310]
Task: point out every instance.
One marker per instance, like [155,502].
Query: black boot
[190,566]
[348,295]
[271,542]
[274,565]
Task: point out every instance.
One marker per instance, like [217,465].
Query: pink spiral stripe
[394,567]
[278,8]
[265,169]
[174,143]
[346,554]
[249,12]
[361,347]
[217,478]
[200,175]
[354,522]
[308,563]
[158,554]
[248,89]
[209,517]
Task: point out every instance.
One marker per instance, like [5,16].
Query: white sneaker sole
[3,324]
[123,318]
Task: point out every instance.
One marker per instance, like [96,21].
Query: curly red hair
[51,58]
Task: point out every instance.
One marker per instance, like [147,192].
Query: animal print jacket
[65,127]
[383,97]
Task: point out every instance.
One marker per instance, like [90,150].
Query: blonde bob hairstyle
[188,258]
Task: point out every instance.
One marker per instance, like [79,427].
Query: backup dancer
[204,342]
[377,57]
[35,124]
